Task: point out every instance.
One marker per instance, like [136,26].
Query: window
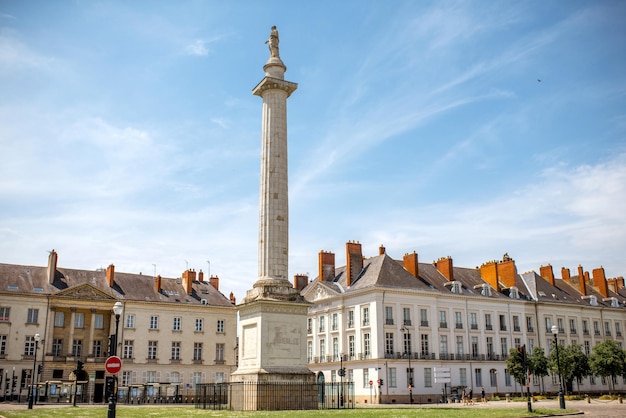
[335,324]
[79,320]
[406,315]
[585,327]
[4,314]
[423,317]
[151,376]
[59,319]
[463,376]
[197,351]
[366,378]
[428,377]
[388,344]
[351,346]
[548,322]
[350,319]
[335,348]
[98,321]
[473,321]
[130,321]
[154,322]
[175,350]
[152,350]
[559,324]
[474,347]
[322,322]
[309,351]
[388,315]
[507,378]
[607,328]
[489,346]
[77,348]
[456,287]
[220,326]
[618,329]
[459,345]
[366,345]
[409,376]
[57,347]
[504,349]
[596,328]
[517,342]
[126,376]
[309,327]
[199,326]
[3,344]
[424,341]
[392,377]
[443,345]
[502,322]
[97,348]
[366,316]
[197,378]
[529,324]
[29,346]
[514,293]
[333,375]
[127,352]
[219,377]
[350,375]
[516,327]
[486,290]
[488,325]
[493,378]
[478,377]
[322,349]
[33,315]
[458,321]
[219,353]
[408,347]
[443,322]
[177,323]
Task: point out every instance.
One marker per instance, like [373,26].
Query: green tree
[565,363]
[516,368]
[538,363]
[577,356]
[607,359]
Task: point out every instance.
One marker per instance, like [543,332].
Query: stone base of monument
[272,373]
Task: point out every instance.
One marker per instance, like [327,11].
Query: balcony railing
[424,323]
[502,327]
[572,331]
[516,329]
[407,322]
[489,327]
[458,325]
[443,325]
[389,321]
[473,326]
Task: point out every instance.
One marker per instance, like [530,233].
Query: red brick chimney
[200,276]
[111,275]
[507,272]
[410,263]
[444,265]
[188,278]
[215,282]
[354,261]
[489,273]
[547,274]
[599,282]
[565,275]
[52,266]
[381,250]
[300,281]
[157,283]
[326,266]
[581,281]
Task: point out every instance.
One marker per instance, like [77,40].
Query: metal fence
[275,396]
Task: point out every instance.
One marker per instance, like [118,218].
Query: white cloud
[197,48]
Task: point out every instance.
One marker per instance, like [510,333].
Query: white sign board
[442,375]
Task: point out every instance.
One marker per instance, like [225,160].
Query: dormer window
[593,301]
[455,287]
[486,290]
[514,293]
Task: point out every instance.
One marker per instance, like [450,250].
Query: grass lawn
[167,412]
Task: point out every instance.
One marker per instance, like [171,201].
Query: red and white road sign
[113,364]
[371,383]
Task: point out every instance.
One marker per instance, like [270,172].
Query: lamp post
[31,396]
[405,330]
[118,308]
[555,332]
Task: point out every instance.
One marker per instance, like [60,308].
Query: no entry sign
[113,364]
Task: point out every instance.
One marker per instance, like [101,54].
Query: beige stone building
[172,334]
[413,324]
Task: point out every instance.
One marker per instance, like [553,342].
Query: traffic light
[381,382]
[79,365]
[522,352]
[39,368]
[342,372]
[109,387]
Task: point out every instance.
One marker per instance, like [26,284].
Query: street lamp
[31,396]
[555,332]
[405,330]
[118,308]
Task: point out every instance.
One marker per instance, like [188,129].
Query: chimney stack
[111,275]
[565,275]
[354,261]
[232,298]
[581,281]
[215,282]
[599,282]
[300,281]
[200,276]
[188,278]
[507,272]
[547,274]
[326,266]
[444,265]
[381,250]
[52,266]
[157,284]
[410,264]
[489,273]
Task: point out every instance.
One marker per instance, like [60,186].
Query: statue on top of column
[272,43]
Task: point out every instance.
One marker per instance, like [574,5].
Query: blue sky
[130,136]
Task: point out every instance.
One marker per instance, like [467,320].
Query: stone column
[71,338]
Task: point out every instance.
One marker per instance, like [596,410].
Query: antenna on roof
[209,270]
[187,264]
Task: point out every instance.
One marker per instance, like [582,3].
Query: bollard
[619,398]
[587,398]
[508,397]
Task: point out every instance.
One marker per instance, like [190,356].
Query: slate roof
[127,286]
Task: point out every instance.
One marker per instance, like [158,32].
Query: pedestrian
[464,397]
[482,395]
[471,396]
